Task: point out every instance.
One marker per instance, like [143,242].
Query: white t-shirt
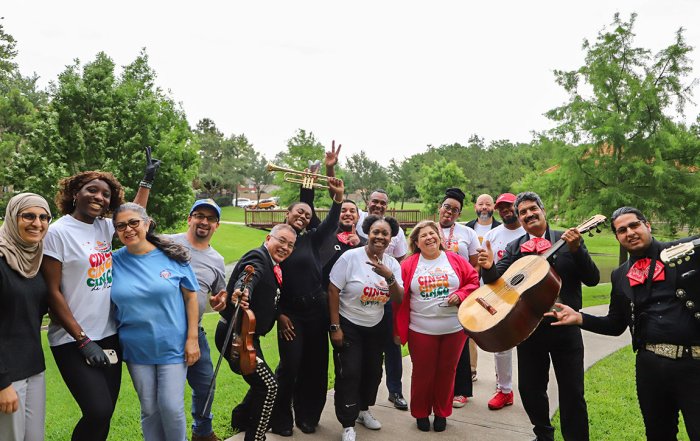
[363,293]
[462,240]
[481,230]
[501,236]
[398,246]
[85,252]
[433,282]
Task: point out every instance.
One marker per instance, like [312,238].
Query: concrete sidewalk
[473,421]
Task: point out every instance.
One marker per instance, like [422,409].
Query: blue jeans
[199,377]
[392,356]
[161,391]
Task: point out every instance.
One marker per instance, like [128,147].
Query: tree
[259,175]
[96,120]
[367,175]
[403,176]
[438,177]
[622,108]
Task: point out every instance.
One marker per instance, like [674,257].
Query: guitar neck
[555,247]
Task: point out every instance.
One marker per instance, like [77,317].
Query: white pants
[504,370]
[27,423]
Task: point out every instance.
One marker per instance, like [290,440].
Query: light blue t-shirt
[149,308]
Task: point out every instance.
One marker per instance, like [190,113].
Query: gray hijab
[21,256]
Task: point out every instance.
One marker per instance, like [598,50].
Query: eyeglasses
[200,217]
[132,223]
[284,242]
[449,208]
[631,226]
[31,217]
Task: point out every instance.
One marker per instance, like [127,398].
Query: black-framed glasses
[131,223]
[284,242]
[31,217]
[449,208]
[631,226]
[200,217]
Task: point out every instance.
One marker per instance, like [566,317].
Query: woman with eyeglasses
[302,324]
[23,295]
[435,283]
[362,281]
[77,267]
[156,311]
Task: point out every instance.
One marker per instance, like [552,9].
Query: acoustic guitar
[676,254]
[500,315]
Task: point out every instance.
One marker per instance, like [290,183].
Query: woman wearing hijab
[23,295]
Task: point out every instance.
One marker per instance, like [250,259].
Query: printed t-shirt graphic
[460,239]
[433,282]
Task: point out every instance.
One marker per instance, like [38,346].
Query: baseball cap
[206,203]
[508,198]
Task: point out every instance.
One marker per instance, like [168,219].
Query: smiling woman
[23,296]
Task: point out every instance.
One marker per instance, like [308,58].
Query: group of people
[353,278]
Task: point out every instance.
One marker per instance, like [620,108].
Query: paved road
[473,421]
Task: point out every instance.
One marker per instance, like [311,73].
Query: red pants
[434,359]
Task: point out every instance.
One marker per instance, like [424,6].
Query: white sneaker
[349,434]
[368,420]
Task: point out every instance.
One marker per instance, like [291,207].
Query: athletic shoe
[459,401]
[500,400]
[368,420]
[349,434]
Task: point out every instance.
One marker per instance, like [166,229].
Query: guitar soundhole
[517,279]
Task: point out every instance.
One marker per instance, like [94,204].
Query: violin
[242,354]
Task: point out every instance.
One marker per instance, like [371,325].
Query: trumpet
[306,179]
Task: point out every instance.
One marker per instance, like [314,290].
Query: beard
[484,216]
[510,220]
[342,227]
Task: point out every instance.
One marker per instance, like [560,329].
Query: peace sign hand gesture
[379,267]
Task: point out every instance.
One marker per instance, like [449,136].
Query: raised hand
[332,156]
[485,256]
[337,187]
[379,267]
[151,169]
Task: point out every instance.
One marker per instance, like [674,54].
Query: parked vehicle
[241,202]
[263,204]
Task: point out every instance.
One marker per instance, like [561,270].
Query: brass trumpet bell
[306,179]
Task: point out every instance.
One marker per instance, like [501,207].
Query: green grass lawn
[232,214]
[232,241]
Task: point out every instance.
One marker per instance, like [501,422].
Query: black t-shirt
[23,302]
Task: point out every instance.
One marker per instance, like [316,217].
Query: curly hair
[413,237]
[69,188]
[171,249]
[372,219]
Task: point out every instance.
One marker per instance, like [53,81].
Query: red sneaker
[500,400]
[459,401]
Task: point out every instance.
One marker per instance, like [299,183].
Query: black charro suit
[665,386]
[563,344]
[253,414]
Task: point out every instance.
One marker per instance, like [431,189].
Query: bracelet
[390,280]
[83,342]
[146,184]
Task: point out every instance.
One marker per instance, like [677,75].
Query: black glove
[93,353]
[151,169]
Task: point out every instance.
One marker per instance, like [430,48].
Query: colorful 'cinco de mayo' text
[100,272]
[374,295]
[434,286]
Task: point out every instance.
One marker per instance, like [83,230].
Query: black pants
[302,372]
[463,375]
[253,414]
[95,389]
[358,369]
[564,346]
[664,387]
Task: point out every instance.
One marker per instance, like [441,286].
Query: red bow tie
[278,274]
[640,271]
[536,245]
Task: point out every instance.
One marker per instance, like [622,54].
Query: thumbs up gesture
[485,258]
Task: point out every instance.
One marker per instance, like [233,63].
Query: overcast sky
[387,77]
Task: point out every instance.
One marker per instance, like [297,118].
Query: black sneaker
[399,401]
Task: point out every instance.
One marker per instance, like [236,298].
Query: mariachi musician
[261,296]
[563,344]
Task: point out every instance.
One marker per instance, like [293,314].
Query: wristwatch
[334,327]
